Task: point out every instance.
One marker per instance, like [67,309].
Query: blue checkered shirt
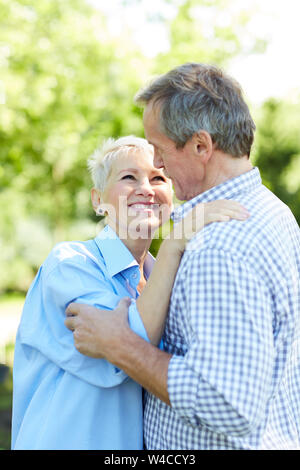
[233,331]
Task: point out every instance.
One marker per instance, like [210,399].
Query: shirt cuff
[136,324]
[135,321]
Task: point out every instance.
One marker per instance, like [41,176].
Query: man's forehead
[151,111]
[151,125]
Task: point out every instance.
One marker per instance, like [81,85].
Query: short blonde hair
[100,162]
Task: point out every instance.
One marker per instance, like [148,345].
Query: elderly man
[228,375]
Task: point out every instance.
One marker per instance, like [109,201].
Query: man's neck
[222,168]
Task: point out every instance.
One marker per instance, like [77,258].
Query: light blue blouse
[61,398]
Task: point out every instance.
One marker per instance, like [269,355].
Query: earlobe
[95,197]
[100,211]
[203,145]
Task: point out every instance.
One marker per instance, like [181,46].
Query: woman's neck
[138,247]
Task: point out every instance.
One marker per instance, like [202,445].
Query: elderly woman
[63,399]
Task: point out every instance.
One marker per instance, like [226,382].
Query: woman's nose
[145,188]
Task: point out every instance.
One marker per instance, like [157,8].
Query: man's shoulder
[268,214]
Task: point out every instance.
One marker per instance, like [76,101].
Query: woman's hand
[203,214]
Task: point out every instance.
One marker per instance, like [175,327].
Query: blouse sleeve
[72,281]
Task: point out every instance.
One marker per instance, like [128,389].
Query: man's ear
[202,146]
[96,198]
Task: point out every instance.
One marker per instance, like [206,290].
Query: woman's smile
[144,206]
[137,193]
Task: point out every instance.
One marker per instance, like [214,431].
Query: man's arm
[223,382]
[107,334]
[145,364]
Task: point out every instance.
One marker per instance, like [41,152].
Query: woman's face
[138,196]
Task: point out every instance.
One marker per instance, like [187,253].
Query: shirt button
[134,276]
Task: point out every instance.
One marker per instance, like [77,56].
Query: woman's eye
[128,177]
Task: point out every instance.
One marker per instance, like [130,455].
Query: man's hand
[96,331]
[106,334]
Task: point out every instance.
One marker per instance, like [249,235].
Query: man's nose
[157,160]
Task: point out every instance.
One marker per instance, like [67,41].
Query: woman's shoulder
[72,253]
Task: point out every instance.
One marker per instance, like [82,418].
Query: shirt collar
[116,255]
[227,190]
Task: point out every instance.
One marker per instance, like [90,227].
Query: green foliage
[5,411]
[209,31]
[277,151]
[65,86]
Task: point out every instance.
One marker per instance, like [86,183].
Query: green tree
[277,150]
[209,31]
[65,86]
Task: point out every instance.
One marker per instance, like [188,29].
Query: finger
[72,309]
[232,209]
[227,204]
[70,323]
[216,217]
[234,214]
[235,206]
[237,210]
[225,216]
[230,203]
[124,303]
[218,208]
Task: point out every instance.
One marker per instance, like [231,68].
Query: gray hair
[194,97]
[100,163]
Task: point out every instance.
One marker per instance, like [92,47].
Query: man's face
[180,165]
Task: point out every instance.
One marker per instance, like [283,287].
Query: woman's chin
[139,227]
[143,229]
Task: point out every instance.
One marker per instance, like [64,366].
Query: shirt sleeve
[224,380]
[76,280]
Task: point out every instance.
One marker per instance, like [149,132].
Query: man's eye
[159,178]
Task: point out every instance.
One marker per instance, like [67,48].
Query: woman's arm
[153,302]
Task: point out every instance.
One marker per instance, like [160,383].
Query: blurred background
[69,73]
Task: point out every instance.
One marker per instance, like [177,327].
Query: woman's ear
[96,198]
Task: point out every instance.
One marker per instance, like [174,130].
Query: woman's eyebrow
[132,170]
